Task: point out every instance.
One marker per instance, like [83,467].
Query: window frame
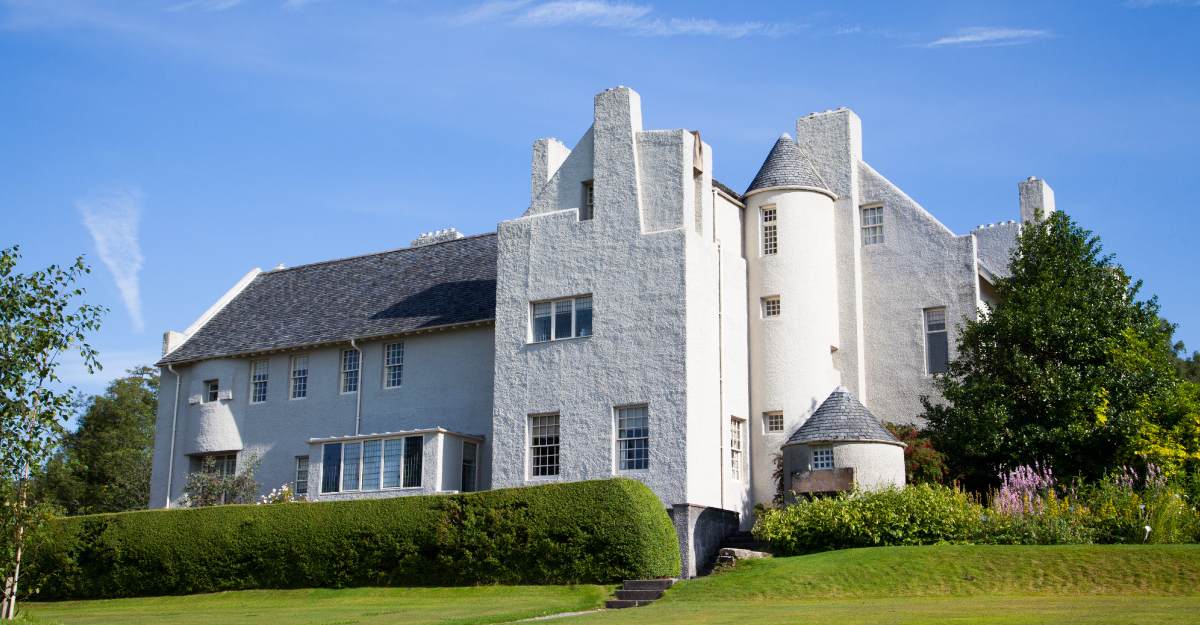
[474,467]
[587,202]
[212,391]
[531,466]
[389,366]
[300,486]
[295,381]
[770,423]
[871,233]
[345,371]
[632,440]
[766,306]
[554,304]
[737,445]
[928,333]
[255,382]
[361,443]
[768,244]
[820,458]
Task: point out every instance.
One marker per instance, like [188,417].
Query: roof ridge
[380,253]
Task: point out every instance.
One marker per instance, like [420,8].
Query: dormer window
[587,208]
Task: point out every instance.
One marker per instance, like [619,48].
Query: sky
[179,144]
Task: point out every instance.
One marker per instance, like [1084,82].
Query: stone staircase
[639,592]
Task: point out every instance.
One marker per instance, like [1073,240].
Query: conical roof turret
[788,166]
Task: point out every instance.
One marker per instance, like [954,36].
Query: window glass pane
[935,319]
[735,448]
[774,421]
[589,201]
[583,316]
[939,352]
[562,319]
[394,365]
[371,461]
[350,371]
[301,485]
[258,379]
[771,307]
[392,449]
[822,458]
[770,232]
[351,454]
[633,437]
[541,321]
[543,443]
[299,377]
[470,451]
[412,461]
[331,464]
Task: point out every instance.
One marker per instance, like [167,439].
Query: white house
[639,319]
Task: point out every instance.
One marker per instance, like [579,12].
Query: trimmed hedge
[598,531]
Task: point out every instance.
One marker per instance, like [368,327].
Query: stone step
[647,584]
[617,604]
[639,595]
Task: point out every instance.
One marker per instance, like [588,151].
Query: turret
[793,300]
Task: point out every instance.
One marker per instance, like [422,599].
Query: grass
[1002,585]
[346,606]
[958,584]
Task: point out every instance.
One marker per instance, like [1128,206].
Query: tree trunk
[10,584]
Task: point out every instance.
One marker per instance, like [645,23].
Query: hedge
[597,532]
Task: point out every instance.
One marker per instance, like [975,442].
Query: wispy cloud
[980,36]
[205,5]
[638,19]
[112,220]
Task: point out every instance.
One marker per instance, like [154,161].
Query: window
[770,232]
[393,365]
[212,390]
[224,464]
[587,208]
[771,306]
[633,438]
[371,465]
[350,370]
[258,381]
[543,445]
[872,225]
[301,485]
[470,458]
[298,383]
[773,421]
[937,345]
[822,458]
[562,319]
[736,437]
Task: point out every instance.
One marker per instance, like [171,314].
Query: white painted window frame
[821,457]
[737,447]
[345,371]
[587,204]
[382,462]
[574,302]
[768,230]
[771,418]
[871,224]
[772,307]
[212,391]
[926,333]
[620,456]
[297,481]
[530,448]
[255,381]
[294,380]
[389,365]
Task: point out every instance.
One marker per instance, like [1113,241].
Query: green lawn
[903,585]
[943,584]
[366,606]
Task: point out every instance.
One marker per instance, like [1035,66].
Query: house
[639,319]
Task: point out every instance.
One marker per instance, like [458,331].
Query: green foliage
[917,515]
[104,465]
[922,463]
[1066,370]
[40,320]
[599,531]
[211,487]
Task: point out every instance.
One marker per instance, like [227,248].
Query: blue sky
[180,143]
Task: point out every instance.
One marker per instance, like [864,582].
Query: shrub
[922,463]
[917,515]
[211,487]
[599,531]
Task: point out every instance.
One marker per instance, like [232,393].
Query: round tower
[792,288]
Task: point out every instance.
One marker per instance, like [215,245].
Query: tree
[1063,371]
[104,466]
[1188,368]
[40,320]
[923,464]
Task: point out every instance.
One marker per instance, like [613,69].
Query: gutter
[174,421]
[358,390]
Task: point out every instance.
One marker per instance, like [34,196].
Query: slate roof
[787,166]
[842,417]
[720,185]
[376,295]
